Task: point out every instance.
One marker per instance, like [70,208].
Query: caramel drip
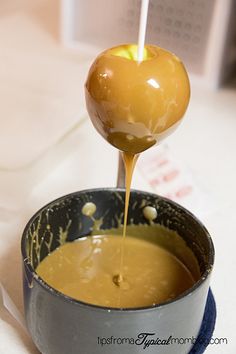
[129,162]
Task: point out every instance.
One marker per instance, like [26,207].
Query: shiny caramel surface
[135,105]
[86,270]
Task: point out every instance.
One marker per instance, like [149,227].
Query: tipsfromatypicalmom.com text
[147,339]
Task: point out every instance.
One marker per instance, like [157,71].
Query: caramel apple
[132,104]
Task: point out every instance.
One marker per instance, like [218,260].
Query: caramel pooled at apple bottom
[132,104]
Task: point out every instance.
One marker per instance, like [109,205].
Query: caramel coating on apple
[135,105]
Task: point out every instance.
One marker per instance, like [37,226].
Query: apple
[132,104]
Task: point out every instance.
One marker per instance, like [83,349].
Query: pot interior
[66,219]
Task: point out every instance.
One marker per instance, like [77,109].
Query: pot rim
[69,299]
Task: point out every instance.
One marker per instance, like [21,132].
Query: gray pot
[60,325]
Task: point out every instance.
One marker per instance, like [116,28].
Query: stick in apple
[142,28]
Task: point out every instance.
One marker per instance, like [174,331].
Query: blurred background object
[202,33]
[41,90]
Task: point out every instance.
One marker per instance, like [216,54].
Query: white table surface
[205,142]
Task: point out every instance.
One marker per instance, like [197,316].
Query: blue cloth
[207,327]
